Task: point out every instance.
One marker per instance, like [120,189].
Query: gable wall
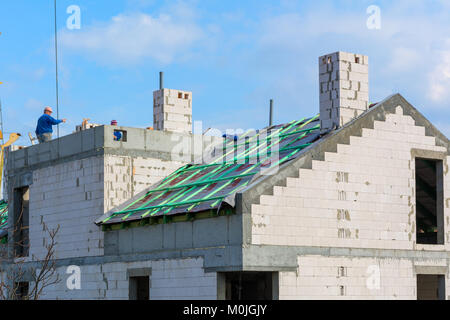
[362,196]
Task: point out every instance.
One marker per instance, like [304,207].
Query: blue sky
[233,55]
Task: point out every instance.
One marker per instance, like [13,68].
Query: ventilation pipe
[271,113]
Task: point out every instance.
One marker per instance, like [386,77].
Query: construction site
[350,202]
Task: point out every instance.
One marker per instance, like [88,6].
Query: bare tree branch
[16,270]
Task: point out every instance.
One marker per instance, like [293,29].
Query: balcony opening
[429,201]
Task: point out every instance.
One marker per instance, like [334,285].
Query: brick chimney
[172,109]
[344,88]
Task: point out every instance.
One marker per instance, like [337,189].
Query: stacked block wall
[333,278]
[363,196]
[126,176]
[76,193]
[344,88]
[181,279]
[69,195]
[172,110]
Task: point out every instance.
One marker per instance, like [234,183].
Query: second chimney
[344,88]
[172,109]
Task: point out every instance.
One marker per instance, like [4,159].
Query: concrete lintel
[285,257]
[428,154]
[139,272]
[135,153]
[212,258]
[50,163]
[431,270]
[257,258]
[248,269]
[24,179]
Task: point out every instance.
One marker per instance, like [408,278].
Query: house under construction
[348,203]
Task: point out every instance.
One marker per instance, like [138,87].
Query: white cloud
[279,48]
[132,38]
[39,73]
[406,54]
[140,3]
[28,71]
[34,105]
[439,78]
[403,58]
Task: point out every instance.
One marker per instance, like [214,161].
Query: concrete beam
[100,140]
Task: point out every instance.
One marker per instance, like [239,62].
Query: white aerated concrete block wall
[126,176]
[172,110]
[362,196]
[75,194]
[182,279]
[334,278]
[344,88]
[69,195]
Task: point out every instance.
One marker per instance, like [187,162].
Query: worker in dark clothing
[44,126]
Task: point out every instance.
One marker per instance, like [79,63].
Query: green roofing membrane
[3,218]
[230,168]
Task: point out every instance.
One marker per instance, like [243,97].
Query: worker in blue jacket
[44,126]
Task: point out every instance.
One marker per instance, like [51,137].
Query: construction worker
[44,126]
[117,134]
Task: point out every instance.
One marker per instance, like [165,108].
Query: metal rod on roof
[1,123]
[271,112]
[56,69]
[161,80]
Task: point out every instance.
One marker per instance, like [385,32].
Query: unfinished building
[352,203]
